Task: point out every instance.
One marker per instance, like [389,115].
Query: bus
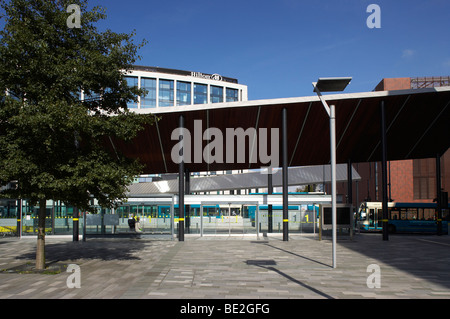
[402,217]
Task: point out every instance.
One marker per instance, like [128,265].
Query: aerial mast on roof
[430,82]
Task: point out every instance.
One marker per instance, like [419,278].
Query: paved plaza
[410,266]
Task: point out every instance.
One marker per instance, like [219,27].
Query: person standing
[132,223]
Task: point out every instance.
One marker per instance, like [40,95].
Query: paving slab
[243,267]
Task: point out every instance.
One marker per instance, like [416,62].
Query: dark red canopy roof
[417,121]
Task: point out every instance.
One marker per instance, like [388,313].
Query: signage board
[344,216]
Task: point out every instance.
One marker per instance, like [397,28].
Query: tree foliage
[52,142]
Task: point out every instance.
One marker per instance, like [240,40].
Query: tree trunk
[40,248]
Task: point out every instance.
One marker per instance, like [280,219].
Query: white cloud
[408,53]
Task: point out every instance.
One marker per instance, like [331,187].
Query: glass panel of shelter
[227,219]
[156,219]
[302,218]
[153,219]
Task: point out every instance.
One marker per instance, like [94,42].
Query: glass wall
[58,220]
[200,93]
[302,219]
[166,93]
[153,219]
[183,93]
[132,81]
[228,219]
[8,217]
[216,95]
[156,219]
[148,100]
[232,95]
[92,97]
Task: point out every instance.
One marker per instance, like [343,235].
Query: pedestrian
[132,223]
[138,225]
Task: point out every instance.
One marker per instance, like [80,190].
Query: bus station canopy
[417,123]
[297,176]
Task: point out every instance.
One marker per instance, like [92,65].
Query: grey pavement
[410,266]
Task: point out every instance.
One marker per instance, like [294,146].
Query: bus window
[380,217]
[412,214]
[445,214]
[371,216]
[428,214]
[403,215]
[395,214]
[362,214]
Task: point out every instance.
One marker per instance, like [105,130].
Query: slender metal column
[19,218]
[384,173]
[332,84]
[75,220]
[84,226]
[187,190]
[333,180]
[349,183]
[439,195]
[181,185]
[201,220]
[270,192]
[285,175]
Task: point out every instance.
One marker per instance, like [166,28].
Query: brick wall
[394,84]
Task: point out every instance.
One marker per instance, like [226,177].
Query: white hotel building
[169,87]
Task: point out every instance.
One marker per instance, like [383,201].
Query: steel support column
[19,218]
[349,183]
[384,172]
[285,175]
[75,220]
[269,210]
[181,184]
[187,190]
[333,180]
[439,203]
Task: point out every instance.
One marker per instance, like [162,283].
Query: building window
[166,93]
[200,93]
[93,97]
[132,81]
[148,100]
[216,94]
[232,95]
[183,93]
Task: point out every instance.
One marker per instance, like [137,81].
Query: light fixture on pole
[332,85]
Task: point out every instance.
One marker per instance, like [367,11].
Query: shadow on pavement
[98,249]
[423,256]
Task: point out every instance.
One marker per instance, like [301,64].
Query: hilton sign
[216,77]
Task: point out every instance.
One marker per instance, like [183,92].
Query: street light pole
[333,179]
[327,85]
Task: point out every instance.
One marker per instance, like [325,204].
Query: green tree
[53,143]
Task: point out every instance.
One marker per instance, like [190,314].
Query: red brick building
[408,180]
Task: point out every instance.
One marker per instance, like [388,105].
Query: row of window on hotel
[183,97]
[167,96]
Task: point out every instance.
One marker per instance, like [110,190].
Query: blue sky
[278,48]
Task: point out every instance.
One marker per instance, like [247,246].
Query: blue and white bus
[402,217]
